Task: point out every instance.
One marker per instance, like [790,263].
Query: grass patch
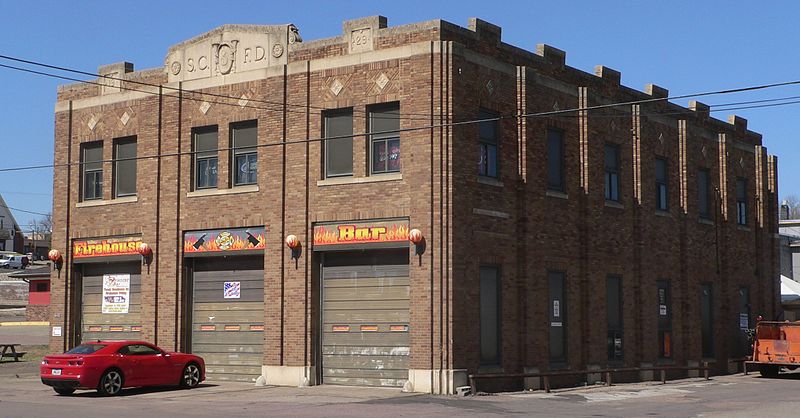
[33,353]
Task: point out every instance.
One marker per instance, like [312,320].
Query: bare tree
[790,204]
[40,229]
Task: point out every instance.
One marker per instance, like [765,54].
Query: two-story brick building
[634,234]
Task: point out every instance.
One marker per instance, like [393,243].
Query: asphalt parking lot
[22,395]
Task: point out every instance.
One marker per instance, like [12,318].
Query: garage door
[365,318]
[228,316]
[115,324]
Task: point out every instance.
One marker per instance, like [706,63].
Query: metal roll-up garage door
[365,318]
[228,316]
[119,325]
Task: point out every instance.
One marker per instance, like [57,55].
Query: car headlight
[45,362]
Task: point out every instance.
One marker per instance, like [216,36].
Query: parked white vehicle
[14,262]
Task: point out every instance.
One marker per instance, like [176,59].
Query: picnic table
[10,350]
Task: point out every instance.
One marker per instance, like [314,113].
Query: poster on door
[116,293]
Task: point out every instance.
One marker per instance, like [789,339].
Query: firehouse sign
[361,233]
[106,247]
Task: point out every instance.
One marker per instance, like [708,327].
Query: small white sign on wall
[56,331]
[744,321]
[556,309]
[232,290]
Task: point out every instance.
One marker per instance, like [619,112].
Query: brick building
[623,235]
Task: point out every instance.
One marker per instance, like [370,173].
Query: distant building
[789,230]
[38,279]
[37,243]
[10,232]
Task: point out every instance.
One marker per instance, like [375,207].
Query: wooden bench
[10,351]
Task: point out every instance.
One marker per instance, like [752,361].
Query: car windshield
[86,349]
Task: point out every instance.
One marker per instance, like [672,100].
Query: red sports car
[109,366]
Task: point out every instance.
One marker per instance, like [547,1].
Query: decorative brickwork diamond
[204,107]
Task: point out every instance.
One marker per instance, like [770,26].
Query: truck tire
[769,370]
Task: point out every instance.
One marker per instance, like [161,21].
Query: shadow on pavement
[138,391]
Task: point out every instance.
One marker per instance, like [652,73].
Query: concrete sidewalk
[734,395]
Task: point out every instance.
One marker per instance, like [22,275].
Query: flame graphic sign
[105,247]
[223,240]
[361,232]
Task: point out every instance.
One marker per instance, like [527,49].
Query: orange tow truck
[776,345]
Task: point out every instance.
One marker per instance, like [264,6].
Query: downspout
[67,248]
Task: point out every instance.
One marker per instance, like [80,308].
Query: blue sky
[685,46]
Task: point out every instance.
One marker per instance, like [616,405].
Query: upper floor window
[555,160]
[244,154]
[205,150]
[125,167]
[384,122]
[661,184]
[92,170]
[741,201]
[339,146]
[612,172]
[488,142]
[703,204]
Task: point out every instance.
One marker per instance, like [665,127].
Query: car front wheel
[110,383]
[190,377]
[64,391]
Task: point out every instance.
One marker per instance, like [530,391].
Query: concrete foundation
[439,382]
[288,376]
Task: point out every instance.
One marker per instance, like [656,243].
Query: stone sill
[492,213]
[99,202]
[487,368]
[663,213]
[375,178]
[556,194]
[614,204]
[705,221]
[490,181]
[221,192]
[743,228]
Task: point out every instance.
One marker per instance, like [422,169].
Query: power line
[185,97]
[25,211]
[2,192]
[426,127]
[202,93]
[367,134]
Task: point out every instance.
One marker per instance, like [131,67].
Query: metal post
[705,369]
[547,384]
[608,378]
[663,376]
[472,385]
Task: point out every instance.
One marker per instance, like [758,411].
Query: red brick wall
[527,233]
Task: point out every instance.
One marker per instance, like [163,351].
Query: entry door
[365,318]
[116,325]
[228,316]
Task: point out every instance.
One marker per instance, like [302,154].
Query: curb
[24,323]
